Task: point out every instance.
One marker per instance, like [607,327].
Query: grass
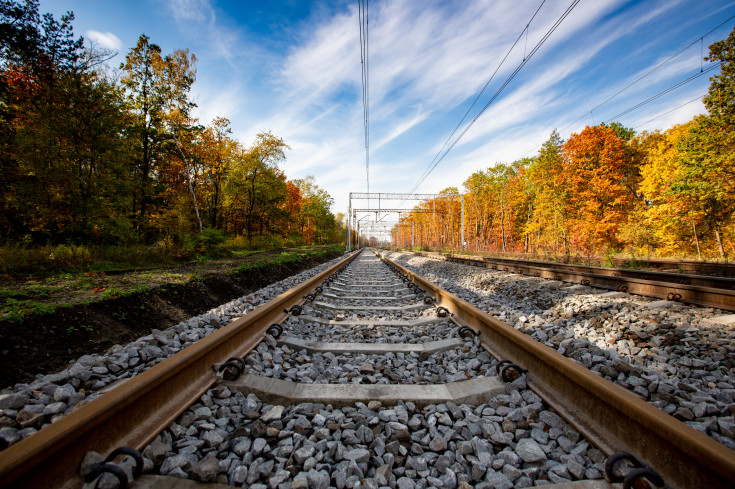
[15,310]
[19,260]
[67,289]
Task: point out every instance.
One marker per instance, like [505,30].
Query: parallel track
[710,291]
[133,414]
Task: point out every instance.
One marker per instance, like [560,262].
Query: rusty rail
[725,269]
[609,416]
[133,413]
[716,292]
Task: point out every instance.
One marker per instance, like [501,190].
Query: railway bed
[370,382]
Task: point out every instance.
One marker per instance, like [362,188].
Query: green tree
[157,87]
[550,221]
[256,186]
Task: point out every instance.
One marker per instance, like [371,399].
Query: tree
[706,178]
[256,186]
[549,222]
[63,154]
[720,98]
[157,87]
[597,174]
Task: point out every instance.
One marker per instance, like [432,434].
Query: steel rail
[726,269]
[610,417]
[722,298]
[133,413]
[677,278]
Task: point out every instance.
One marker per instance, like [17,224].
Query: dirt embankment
[46,343]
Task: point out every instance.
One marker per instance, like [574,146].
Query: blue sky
[292,67]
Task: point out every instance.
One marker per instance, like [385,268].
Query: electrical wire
[499,91]
[664,92]
[670,111]
[700,40]
[525,30]
[362,14]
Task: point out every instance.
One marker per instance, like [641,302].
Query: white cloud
[105,39]
[428,60]
[198,18]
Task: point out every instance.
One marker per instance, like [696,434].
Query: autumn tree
[315,216]
[549,221]
[256,186]
[156,86]
[62,164]
[597,174]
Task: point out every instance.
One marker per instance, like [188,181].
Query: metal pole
[462,222]
[413,227]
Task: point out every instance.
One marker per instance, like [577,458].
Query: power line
[525,30]
[700,40]
[670,111]
[362,14]
[664,92]
[526,59]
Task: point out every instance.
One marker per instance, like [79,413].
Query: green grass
[68,260]
[15,310]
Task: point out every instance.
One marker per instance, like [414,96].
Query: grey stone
[498,480]
[54,408]
[727,426]
[273,414]
[238,475]
[279,477]
[530,451]
[242,447]
[206,469]
[303,453]
[212,438]
[177,461]
[551,419]
[405,483]
[358,455]
[259,444]
[63,393]
[13,400]
[156,451]
[438,444]
[202,413]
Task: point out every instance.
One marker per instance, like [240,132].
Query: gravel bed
[309,330]
[513,441]
[667,356]
[25,408]
[281,362]
[315,310]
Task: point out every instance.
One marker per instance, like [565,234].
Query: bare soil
[89,321]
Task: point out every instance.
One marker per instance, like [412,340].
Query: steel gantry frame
[382,196]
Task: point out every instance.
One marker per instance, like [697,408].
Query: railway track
[719,269]
[368,375]
[703,290]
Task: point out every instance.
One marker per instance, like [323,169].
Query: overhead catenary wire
[699,40]
[700,97]
[663,92]
[474,102]
[362,14]
[498,92]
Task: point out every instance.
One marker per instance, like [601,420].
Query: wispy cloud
[428,60]
[199,18]
[105,39]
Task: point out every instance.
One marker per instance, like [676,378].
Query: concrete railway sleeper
[356,379]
